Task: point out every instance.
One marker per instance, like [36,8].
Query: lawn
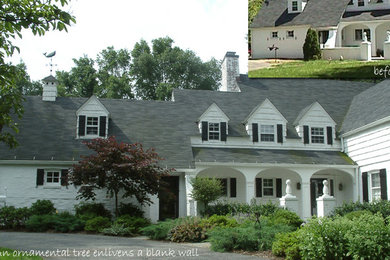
[6,253]
[334,69]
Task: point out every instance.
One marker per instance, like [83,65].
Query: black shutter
[331,188]
[329,134]
[40,176]
[233,187]
[259,187]
[64,177]
[278,188]
[382,176]
[365,186]
[223,131]
[102,126]
[81,125]
[255,132]
[279,128]
[205,129]
[305,134]
[224,186]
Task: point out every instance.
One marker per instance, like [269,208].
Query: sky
[210,28]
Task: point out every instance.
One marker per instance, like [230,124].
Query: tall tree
[158,70]
[38,16]
[23,82]
[118,167]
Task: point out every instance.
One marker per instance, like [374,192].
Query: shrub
[381,206]
[286,217]
[134,224]
[161,230]
[40,223]
[189,230]
[11,217]
[130,209]
[117,230]
[42,207]
[97,224]
[311,47]
[219,221]
[66,222]
[206,190]
[287,245]
[356,214]
[90,210]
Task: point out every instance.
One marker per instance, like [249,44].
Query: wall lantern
[340,186]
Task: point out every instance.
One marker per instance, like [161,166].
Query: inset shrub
[130,209]
[134,224]
[11,217]
[161,230]
[287,245]
[42,207]
[89,210]
[189,230]
[117,230]
[283,216]
[97,224]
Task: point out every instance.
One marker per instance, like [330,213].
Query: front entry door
[169,198]
[316,186]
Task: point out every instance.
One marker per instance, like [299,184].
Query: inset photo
[334,39]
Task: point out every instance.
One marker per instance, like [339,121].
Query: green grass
[335,69]
[6,254]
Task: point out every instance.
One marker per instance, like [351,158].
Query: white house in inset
[255,136]
[339,23]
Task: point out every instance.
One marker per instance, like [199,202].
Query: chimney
[230,72]
[49,88]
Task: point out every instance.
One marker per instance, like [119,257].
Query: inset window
[268,187]
[317,135]
[274,34]
[213,131]
[267,133]
[92,125]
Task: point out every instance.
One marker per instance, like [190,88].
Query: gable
[314,114]
[266,111]
[93,107]
[214,114]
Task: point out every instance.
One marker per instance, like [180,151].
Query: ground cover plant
[326,69]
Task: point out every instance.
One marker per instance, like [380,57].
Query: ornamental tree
[206,190]
[118,167]
[311,47]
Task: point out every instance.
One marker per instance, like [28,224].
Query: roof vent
[49,88]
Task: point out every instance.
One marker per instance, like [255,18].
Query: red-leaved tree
[118,167]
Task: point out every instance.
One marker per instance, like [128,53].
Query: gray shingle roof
[317,13]
[48,129]
[368,107]
[269,156]
[366,16]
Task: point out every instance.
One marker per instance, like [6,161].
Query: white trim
[276,164]
[93,97]
[258,109]
[375,123]
[37,162]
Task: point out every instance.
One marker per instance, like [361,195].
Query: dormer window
[267,133]
[92,125]
[360,2]
[317,135]
[294,7]
[214,131]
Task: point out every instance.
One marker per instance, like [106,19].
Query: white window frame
[52,184]
[360,3]
[91,125]
[288,34]
[274,34]
[214,132]
[316,135]
[294,6]
[268,187]
[266,132]
[374,189]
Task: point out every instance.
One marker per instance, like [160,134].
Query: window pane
[267,133]
[92,130]
[267,138]
[375,180]
[213,131]
[317,135]
[268,187]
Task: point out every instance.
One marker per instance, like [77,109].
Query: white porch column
[372,28]
[305,191]
[339,38]
[250,175]
[191,203]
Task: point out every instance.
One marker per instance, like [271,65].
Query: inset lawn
[7,254]
[334,69]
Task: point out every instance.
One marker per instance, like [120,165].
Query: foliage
[118,167]
[161,230]
[283,216]
[97,224]
[118,230]
[190,230]
[219,221]
[23,82]
[134,224]
[158,70]
[206,190]
[42,207]
[380,206]
[38,16]
[63,222]
[11,217]
[287,245]
[90,210]
[130,209]
[253,8]
[356,214]
[311,47]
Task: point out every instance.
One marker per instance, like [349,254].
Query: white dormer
[296,6]
[266,124]
[92,119]
[213,124]
[315,125]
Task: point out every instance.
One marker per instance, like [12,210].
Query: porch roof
[317,13]
[363,16]
[237,155]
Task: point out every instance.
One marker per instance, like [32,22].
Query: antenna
[50,55]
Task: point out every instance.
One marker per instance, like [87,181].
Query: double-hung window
[268,187]
[92,125]
[52,178]
[317,135]
[267,133]
[294,6]
[214,131]
[375,186]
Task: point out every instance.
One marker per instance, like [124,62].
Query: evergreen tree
[311,47]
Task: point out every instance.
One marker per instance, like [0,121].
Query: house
[254,134]
[341,26]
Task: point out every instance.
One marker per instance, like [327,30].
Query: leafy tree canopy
[206,190]
[116,167]
[38,16]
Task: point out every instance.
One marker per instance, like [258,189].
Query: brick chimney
[230,72]
[49,88]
